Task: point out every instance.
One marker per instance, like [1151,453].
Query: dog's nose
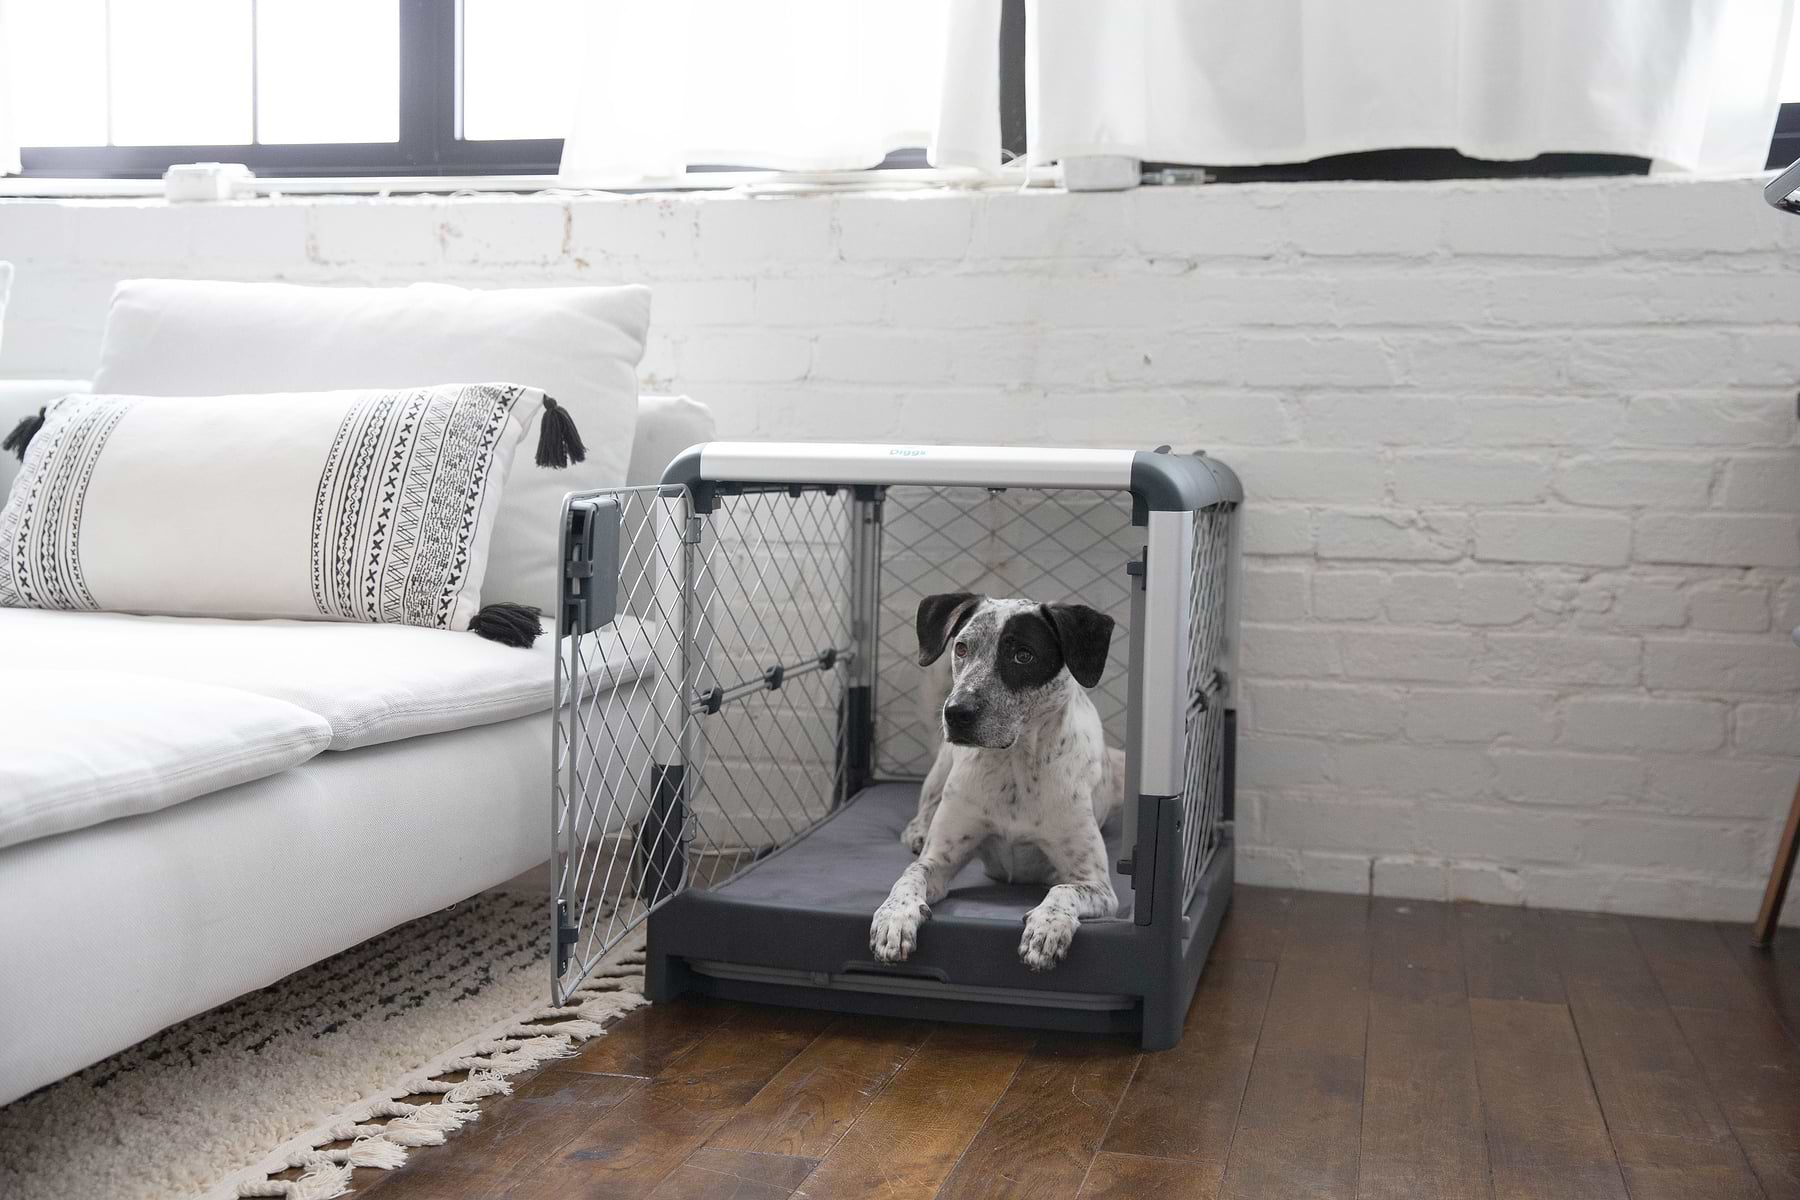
[960,717]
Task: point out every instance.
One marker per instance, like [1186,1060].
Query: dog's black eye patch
[1029,654]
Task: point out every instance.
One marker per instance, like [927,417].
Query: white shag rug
[316,1071]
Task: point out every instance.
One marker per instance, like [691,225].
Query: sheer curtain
[1692,83]
[803,85]
[9,140]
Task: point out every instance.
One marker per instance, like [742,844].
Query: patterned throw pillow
[337,506]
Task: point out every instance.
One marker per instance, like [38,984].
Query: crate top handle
[1157,480]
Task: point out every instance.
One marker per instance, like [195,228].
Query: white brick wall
[1525,523]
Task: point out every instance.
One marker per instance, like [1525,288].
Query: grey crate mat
[848,864]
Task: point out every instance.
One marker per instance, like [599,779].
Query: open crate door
[703,656]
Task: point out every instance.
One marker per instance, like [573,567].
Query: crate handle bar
[1157,481]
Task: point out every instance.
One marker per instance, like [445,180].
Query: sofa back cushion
[373,506]
[667,425]
[581,345]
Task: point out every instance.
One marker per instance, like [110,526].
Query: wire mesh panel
[1054,546]
[1203,796]
[700,686]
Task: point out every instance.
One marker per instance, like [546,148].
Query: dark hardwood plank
[1135,1177]
[809,1104]
[1546,1137]
[1649,1084]
[1775,972]
[1755,1072]
[1255,926]
[1298,1129]
[1041,1138]
[1671,1168]
[713,1174]
[910,1137]
[1692,965]
[1506,955]
[514,1136]
[1422,1127]
[1183,1102]
[649,1039]
[632,1148]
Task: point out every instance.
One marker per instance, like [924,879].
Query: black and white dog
[1024,778]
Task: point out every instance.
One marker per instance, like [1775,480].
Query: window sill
[765,182]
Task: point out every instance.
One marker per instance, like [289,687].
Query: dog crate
[742,727]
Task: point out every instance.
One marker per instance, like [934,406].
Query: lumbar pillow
[169,337]
[337,506]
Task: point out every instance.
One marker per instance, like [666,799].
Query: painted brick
[1288,650]
[785,229]
[1643,723]
[1650,604]
[1510,835]
[1454,478]
[1327,361]
[1328,476]
[1725,540]
[1273,531]
[1661,359]
[1407,654]
[1394,769]
[1762,483]
[1599,541]
[1276,595]
[1559,658]
[1566,222]
[1721,787]
[905,227]
[1728,608]
[1767,664]
[1636,481]
[1349,595]
[1656,842]
[1516,718]
[1766,728]
[1688,421]
[1325,709]
[1394,535]
[1567,778]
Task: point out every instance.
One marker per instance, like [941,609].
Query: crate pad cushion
[848,864]
[370,505]
[178,337]
[81,747]
[369,683]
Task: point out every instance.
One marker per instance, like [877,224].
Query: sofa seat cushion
[368,683]
[78,747]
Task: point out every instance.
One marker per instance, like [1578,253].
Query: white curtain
[1691,83]
[802,85]
[9,140]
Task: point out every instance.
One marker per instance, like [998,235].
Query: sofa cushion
[81,747]
[21,398]
[369,683]
[667,425]
[342,506]
[581,345]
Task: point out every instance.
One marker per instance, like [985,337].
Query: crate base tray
[794,929]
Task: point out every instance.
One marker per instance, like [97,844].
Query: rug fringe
[487,1061]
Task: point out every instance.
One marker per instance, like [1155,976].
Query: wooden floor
[1338,1046]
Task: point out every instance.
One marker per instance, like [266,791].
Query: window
[291,87]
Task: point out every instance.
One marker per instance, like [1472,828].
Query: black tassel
[24,431]
[508,624]
[559,442]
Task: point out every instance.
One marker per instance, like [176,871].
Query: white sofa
[111,932]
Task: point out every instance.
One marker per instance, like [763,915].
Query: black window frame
[430,128]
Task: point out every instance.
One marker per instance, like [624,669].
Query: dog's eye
[962,649]
[1023,657]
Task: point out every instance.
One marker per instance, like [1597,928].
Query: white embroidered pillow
[340,506]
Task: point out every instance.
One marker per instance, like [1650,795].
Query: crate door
[621,720]
[704,658]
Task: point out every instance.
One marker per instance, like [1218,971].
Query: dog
[1024,778]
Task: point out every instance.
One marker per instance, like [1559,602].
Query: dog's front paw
[1047,938]
[895,930]
[913,836]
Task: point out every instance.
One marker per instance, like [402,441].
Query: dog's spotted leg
[930,795]
[895,930]
[1086,892]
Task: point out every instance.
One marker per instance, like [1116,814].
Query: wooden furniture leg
[1779,875]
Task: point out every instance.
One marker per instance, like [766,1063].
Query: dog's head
[1007,660]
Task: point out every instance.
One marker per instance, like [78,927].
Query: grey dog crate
[742,727]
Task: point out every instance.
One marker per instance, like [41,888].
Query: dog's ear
[1085,635]
[938,620]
